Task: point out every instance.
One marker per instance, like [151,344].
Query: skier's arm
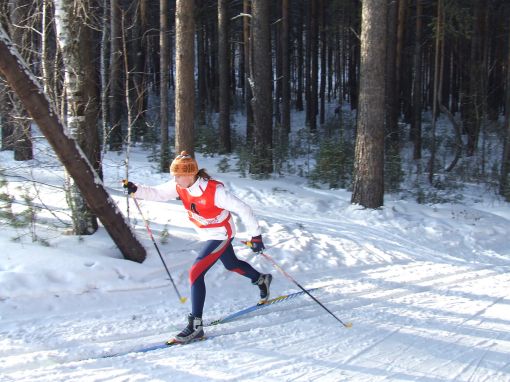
[160,193]
[228,201]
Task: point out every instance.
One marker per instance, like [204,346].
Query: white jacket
[223,199]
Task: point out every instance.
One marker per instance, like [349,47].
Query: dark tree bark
[353,62]
[20,32]
[439,40]
[392,96]
[261,81]
[314,74]
[504,184]
[224,77]
[308,60]
[29,91]
[139,77]
[368,187]
[300,61]
[6,123]
[184,76]
[164,59]
[474,100]
[202,72]
[323,54]
[115,93]
[247,48]
[417,84]
[285,70]
[241,71]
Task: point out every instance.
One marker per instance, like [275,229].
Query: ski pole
[270,259]
[181,299]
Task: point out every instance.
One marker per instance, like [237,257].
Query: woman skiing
[209,205]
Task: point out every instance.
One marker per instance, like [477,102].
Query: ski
[236,315]
[229,318]
[156,346]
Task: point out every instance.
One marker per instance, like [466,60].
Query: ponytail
[202,173]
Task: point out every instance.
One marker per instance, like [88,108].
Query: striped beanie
[184,165]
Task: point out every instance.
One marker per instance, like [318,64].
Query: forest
[373,96]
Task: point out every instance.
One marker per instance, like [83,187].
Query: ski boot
[192,332]
[263,282]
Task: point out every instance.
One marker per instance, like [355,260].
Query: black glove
[129,186]
[256,244]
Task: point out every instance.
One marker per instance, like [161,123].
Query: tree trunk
[6,123]
[164,58]
[417,84]
[392,96]
[72,157]
[474,98]
[262,162]
[437,79]
[323,53]
[105,70]
[20,30]
[115,93]
[368,187]
[300,61]
[332,45]
[224,77]
[504,184]
[314,75]
[75,40]
[399,58]
[242,66]
[247,70]
[285,70]
[203,92]
[308,60]
[139,76]
[184,76]
[353,64]
[46,59]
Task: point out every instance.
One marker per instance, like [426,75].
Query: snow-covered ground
[427,288]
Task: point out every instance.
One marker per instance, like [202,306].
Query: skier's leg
[232,263]
[205,260]
[211,252]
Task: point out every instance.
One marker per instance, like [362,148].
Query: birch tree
[74,38]
[29,91]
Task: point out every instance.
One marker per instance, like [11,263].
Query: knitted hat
[184,164]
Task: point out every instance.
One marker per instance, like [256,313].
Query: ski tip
[348,325]
[183,300]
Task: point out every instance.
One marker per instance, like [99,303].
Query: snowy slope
[426,287]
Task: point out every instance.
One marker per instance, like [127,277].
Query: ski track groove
[371,346]
[62,360]
[476,363]
[375,301]
[363,293]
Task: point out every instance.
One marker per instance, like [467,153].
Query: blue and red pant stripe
[213,251]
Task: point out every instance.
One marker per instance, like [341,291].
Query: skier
[209,205]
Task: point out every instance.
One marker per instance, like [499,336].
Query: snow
[425,286]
